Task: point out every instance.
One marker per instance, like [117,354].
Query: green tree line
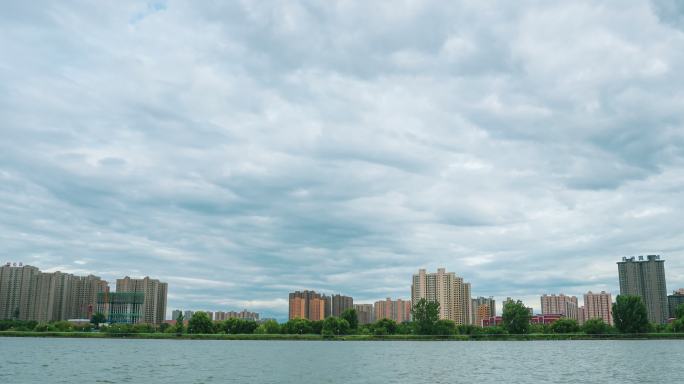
[629,315]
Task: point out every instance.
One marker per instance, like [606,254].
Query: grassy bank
[529,337]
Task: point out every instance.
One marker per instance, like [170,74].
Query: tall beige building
[560,305]
[83,302]
[50,296]
[340,303]
[365,313]
[15,290]
[398,310]
[449,290]
[598,306]
[63,296]
[154,291]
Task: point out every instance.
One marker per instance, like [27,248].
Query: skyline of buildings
[49,296]
[26,293]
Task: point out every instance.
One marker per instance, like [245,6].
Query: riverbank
[171,336]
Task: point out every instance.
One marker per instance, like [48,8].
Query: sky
[242,150]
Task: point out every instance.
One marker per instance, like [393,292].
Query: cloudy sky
[243,150]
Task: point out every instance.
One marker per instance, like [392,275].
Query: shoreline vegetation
[315,337]
[629,314]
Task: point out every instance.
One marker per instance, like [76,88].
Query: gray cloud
[243,150]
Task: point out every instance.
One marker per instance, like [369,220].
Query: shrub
[565,326]
[595,327]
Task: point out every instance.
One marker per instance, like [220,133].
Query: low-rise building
[121,307]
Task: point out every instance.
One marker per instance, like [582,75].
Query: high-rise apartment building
[482,308]
[646,279]
[449,290]
[47,296]
[187,315]
[365,313]
[154,292]
[84,291]
[340,304]
[15,290]
[561,305]
[675,300]
[308,305]
[398,310]
[50,296]
[597,306]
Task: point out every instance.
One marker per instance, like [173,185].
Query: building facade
[308,305]
[340,304]
[482,308]
[15,290]
[175,313]
[645,278]
[597,306]
[675,300]
[121,307]
[398,310]
[47,296]
[365,313]
[561,304]
[154,292]
[449,290]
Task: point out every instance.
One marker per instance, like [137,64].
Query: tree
[97,319]
[444,327]
[679,312]
[179,324]
[335,326]
[565,326]
[200,323]
[678,325]
[352,318]
[595,327]
[425,315]
[405,328]
[516,317]
[316,327]
[629,314]
[297,327]
[239,326]
[384,327]
[468,329]
[268,327]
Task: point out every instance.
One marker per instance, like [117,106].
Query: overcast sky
[244,150]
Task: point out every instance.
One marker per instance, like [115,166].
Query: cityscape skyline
[576,311]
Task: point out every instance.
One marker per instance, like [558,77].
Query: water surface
[46,360]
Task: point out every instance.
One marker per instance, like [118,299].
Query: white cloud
[242,150]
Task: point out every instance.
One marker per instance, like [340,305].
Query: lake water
[45,360]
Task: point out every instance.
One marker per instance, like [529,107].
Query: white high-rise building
[449,290]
